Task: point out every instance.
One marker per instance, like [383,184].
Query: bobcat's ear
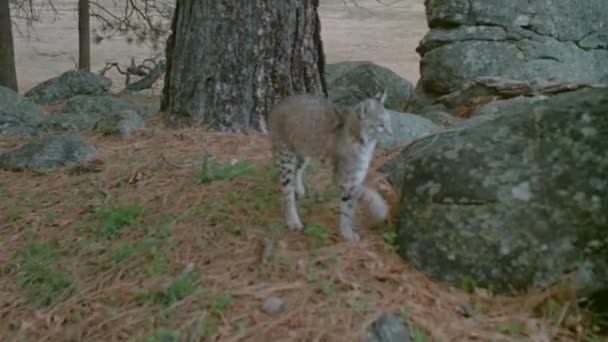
[362,112]
[383,97]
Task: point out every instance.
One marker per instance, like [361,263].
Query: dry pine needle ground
[151,248]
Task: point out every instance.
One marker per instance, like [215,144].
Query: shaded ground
[150,247]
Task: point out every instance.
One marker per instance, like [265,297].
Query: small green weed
[222,301]
[181,287]
[512,328]
[328,288]
[468,283]
[318,233]
[357,305]
[224,171]
[162,335]
[110,221]
[390,240]
[39,273]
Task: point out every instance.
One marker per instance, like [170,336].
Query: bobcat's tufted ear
[381,97]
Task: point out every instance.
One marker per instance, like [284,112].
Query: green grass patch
[109,222]
[318,234]
[39,273]
[179,288]
[210,172]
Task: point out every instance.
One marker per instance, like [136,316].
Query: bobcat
[306,126]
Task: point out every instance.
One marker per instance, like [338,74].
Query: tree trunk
[230,61]
[8,74]
[84,36]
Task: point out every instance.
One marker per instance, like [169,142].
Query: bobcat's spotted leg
[350,193]
[300,188]
[286,163]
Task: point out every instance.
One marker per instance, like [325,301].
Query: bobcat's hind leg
[300,188]
[287,163]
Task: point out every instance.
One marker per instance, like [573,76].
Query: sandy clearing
[387,35]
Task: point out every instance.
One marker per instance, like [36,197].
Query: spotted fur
[305,126]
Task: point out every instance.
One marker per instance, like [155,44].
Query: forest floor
[154,245]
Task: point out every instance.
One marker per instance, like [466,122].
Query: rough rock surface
[387,328]
[516,201]
[68,84]
[103,105]
[48,153]
[406,128]
[521,39]
[122,123]
[351,82]
[18,114]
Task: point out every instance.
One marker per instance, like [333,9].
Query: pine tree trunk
[8,74]
[84,36]
[230,61]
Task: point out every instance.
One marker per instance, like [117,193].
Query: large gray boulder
[68,84]
[406,128]
[351,82]
[18,114]
[103,105]
[520,39]
[517,201]
[84,112]
[49,153]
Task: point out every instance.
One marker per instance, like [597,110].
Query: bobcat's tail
[376,204]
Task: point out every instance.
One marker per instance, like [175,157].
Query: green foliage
[224,171]
[162,335]
[468,283]
[328,288]
[179,288]
[222,301]
[109,222]
[40,273]
[318,234]
[390,240]
[514,328]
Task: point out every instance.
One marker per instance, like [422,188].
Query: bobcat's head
[374,119]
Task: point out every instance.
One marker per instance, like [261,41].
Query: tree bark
[8,74]
[230,61]
[84,36]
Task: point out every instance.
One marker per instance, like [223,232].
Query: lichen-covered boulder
[104,105]
[123,123]
[513,202]
[351,82]
[68,84]
[18,114]
[49,153]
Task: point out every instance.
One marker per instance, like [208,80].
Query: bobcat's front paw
[349,234]
[295,226]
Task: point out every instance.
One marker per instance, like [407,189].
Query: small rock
[273,305]
[70,83]
[48,153]
[387,328]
